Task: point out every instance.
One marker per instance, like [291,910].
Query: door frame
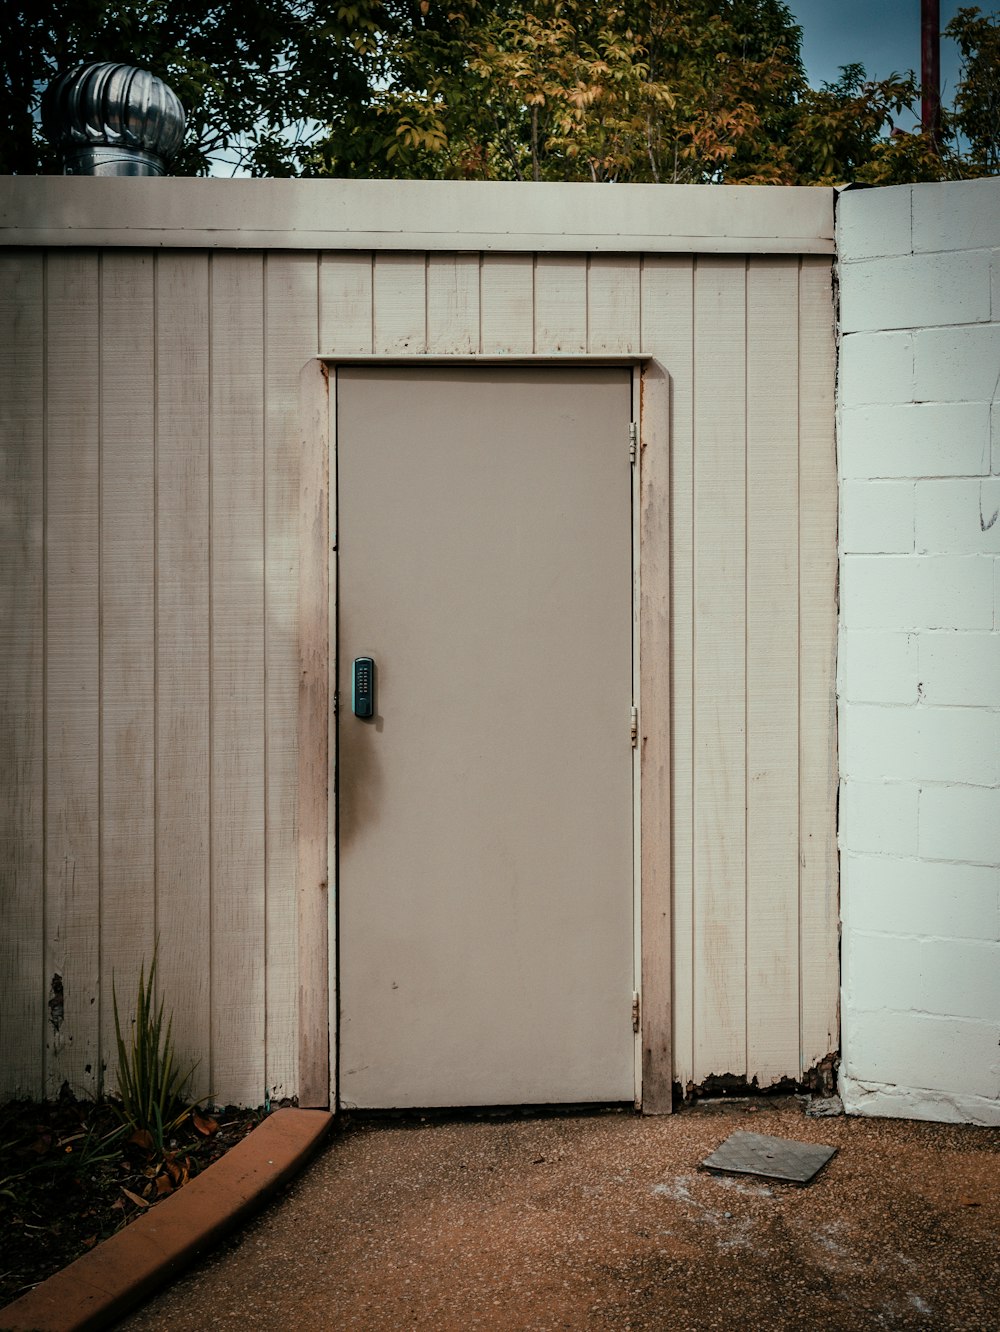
[317,586]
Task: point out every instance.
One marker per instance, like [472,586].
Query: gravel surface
[605,1221]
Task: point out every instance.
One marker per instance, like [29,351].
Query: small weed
[151,1085]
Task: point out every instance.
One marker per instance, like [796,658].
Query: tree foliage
[977,102]
[665,90]
[253,75]
[687,91]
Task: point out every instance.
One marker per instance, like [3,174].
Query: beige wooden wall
[149,634]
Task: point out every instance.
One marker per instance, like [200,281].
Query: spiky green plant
[151,1084]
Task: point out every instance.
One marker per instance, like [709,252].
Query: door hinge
[633,441]
[636,1012]
[635,726]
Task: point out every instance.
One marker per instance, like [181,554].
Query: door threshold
[414,1117]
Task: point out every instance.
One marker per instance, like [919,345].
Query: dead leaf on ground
[143,1139]
[177,1171]
[204,1124]
[134,1197]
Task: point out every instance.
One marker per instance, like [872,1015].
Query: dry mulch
[71,1175]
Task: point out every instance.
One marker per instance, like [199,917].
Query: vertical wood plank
[331,891]
[317,851]
[772,669]
[818,636]
[345,303]
[560,303]
[507,284]
[72,701]
[291,340]
[237,701]
[667,329]
[22,483]
[183,833]
[128,926]
[400,303]
[613,304]
[720,667]
[453,303]
[654,740]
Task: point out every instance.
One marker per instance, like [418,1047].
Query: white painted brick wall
[920,744]
[960,977]
[955,364]
[877,517]
[912,291]
[963,216]
[876,368]
[962,669]
[880,817]
[882,225]
[875,666]
[960,823]
[918,439]
[911,592]
[923,1052]
[919,666]
[900,895]
[961,516]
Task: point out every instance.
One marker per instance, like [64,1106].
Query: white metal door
[485,809]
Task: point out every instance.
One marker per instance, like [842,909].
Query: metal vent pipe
[112,120]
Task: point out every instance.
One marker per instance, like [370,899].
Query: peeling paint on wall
[56,1002]
[820,1080]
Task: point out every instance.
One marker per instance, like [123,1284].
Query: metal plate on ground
[769,1158]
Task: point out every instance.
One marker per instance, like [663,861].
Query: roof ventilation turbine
[112,120]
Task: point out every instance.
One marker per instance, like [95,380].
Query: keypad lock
[363,687]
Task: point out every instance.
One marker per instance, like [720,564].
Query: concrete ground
[605,1221]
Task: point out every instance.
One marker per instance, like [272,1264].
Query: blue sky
[882,35]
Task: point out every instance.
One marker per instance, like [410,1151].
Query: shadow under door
[485,829]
